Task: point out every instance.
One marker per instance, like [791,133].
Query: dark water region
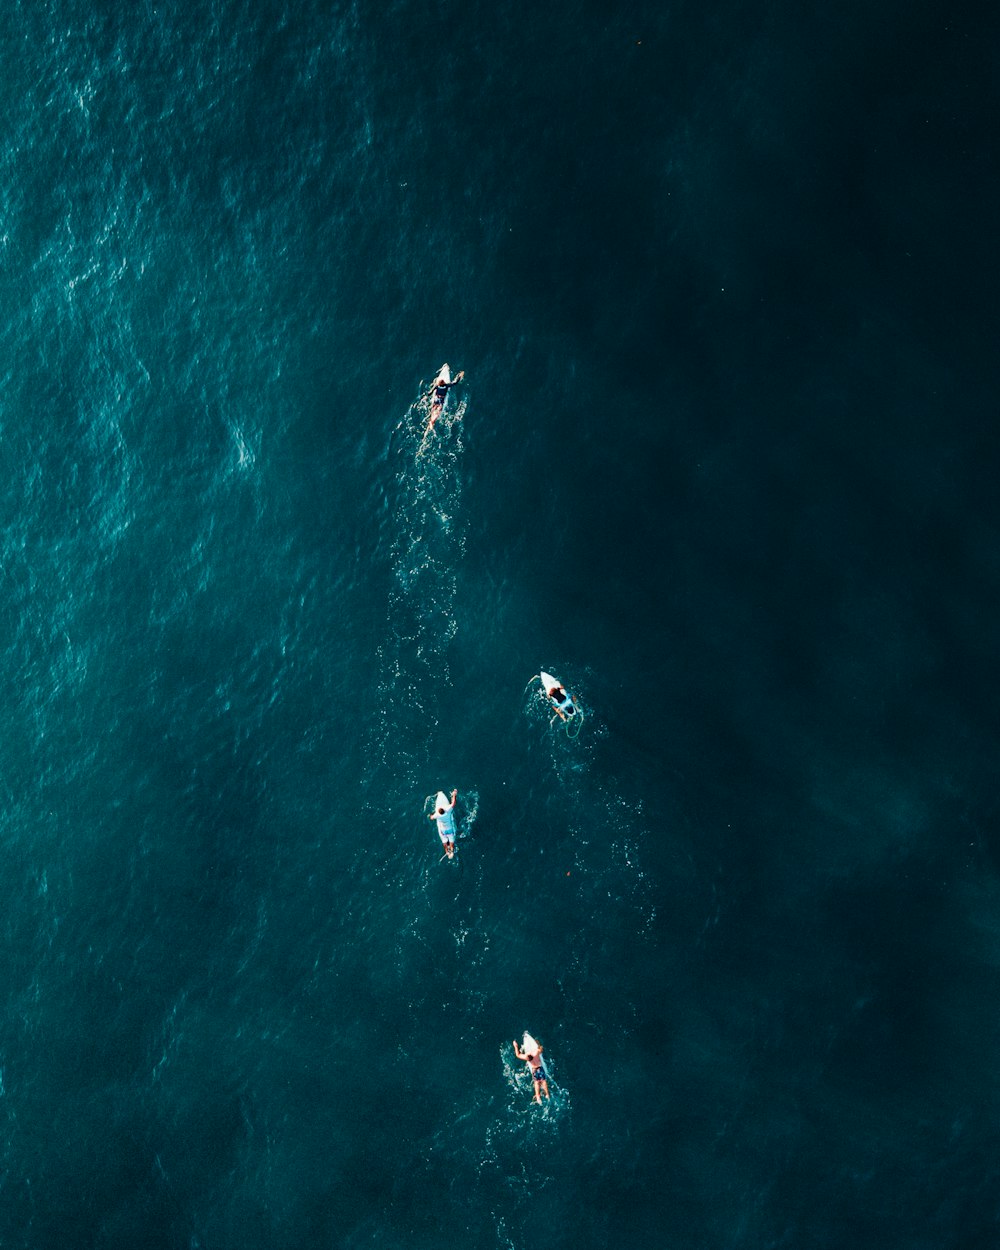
[723,282]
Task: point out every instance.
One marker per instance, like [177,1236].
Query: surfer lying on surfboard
[532,1056]
[444,814]
[560,700]
[438,394]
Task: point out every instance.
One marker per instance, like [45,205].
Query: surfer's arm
[518,1052]
[454,796]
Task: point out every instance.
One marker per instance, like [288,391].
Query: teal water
[722,284]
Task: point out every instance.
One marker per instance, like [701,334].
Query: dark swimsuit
[441,393]
[565,706]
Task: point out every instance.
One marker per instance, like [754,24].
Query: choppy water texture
[723,284]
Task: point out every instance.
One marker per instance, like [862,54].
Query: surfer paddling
[438,394]
[558,697]
[444,814]
[532,1056]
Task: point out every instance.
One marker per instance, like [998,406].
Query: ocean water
[723,282]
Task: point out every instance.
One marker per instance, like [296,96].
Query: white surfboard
[446,823]
[443,374]
[531,1047]
[549,683]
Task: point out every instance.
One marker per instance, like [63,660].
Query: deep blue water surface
[723,281]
